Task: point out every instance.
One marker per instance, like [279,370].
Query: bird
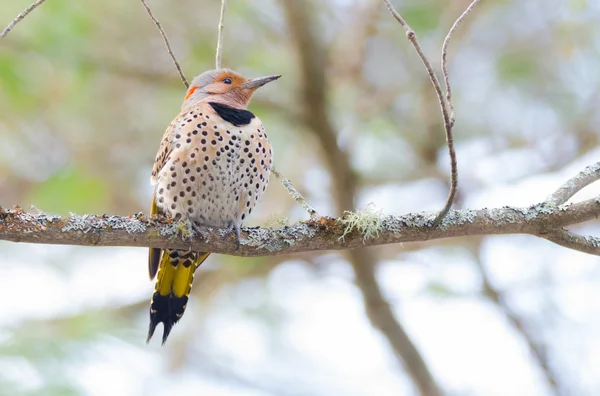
[212,167]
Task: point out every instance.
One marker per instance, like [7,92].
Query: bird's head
[224,86]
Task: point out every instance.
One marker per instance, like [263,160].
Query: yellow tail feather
[173,286]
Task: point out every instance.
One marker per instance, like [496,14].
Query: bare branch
[448,123]
[300,200]
[585,244]
[219,55]
[445,53]
[323,234]
[584,178]
[20,17]
[167,43]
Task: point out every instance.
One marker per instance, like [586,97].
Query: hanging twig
[219,55]
[295,194]
[167,43]
[20,17]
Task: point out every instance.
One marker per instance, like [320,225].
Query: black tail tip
[167,326]
[166,309]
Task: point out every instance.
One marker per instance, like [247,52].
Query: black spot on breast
[237,117]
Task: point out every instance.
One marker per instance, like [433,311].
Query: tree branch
[585,244]
[167,43]
[20,17]
[219,54]
[296,196]
[315,118]
[444,63]
[323,234]
[445,102]
[584,178]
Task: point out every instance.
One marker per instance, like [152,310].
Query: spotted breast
[216,170]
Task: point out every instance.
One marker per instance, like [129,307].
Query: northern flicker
[212,166]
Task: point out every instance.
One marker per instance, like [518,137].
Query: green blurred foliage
[516,69]
[70,191]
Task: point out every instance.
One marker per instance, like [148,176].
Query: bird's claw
[198,231]
[235,230]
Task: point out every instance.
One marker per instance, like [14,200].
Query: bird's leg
[234,229]
[185,229]
[200,231]
[191,227]
[237,236]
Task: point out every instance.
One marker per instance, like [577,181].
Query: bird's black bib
[237,117]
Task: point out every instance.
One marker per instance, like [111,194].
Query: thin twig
[584,178]
[295,194]
[20,17]
[444,60]
[412,37]
[167,43]
[219,55]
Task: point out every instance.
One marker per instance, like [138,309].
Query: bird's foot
[235,230]
[200,230]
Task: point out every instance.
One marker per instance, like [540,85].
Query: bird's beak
[259,81]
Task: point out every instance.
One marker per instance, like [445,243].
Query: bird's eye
[227,80]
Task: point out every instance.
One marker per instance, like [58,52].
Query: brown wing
[165,148]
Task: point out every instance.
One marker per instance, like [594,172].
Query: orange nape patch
[235,78]
[190,91]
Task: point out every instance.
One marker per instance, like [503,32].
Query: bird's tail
[173,286]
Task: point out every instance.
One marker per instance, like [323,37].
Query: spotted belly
[214,174]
